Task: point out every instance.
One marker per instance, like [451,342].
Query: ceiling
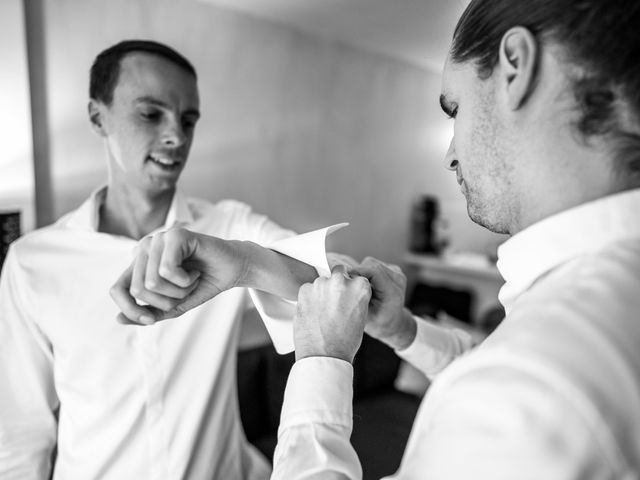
[417,31]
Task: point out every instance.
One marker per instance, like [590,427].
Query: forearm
[272,272]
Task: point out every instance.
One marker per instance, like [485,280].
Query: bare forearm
[272,272]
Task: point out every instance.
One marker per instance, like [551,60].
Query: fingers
[145,281]
[339,283]
[331,315]
[177,247]
[131,311]
[388,283]
[140,287]
[161,277]
[341,276]
[394,268]
[334,259]
[378,271]
[341,270]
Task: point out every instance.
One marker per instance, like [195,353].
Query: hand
[334,259]
[173,272]
[388,320]
[330,316]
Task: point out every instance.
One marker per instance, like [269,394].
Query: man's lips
[164,160]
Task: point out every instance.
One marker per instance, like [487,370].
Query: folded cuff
[277,312]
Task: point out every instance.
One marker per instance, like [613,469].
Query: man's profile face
[477,152]
[150,123]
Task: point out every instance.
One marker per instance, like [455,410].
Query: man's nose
[450,160]
[173,134]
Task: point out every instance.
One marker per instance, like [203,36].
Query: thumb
[343,269]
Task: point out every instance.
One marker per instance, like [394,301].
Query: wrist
[308,353]
[244,253]
[404,334]
[308,347]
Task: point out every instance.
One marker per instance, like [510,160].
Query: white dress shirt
[553,393]
[126,402]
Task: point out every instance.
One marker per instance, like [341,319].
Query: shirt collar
[87,216]
[581,230]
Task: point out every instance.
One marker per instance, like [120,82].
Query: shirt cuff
[319,390]
[434,347]
[277,312]
[309,248]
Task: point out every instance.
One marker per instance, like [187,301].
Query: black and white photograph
[320,240]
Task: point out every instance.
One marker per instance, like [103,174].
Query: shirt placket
[154,402]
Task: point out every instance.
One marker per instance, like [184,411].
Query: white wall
[16,168]
[307,131]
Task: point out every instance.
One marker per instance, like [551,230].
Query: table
[471,271]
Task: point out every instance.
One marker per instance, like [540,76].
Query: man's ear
[95,117]
[518,58]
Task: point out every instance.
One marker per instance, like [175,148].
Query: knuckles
[135,290]
[176,234]
[144,245]
[164,271]
[305,290]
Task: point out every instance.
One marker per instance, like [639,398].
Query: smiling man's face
[150,123]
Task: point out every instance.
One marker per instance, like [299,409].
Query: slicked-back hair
[599,37]
[105,70]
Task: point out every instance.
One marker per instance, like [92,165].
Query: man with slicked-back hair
[545,99]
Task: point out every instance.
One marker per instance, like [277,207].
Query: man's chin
[158,186]
[483,219]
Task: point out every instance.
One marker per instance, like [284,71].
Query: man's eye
[151,115]
[188,124]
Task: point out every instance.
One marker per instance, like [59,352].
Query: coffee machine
[424,219]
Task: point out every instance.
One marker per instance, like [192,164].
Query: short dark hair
[600,37]
[106,67]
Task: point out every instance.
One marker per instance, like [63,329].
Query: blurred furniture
[382,414]
[424,217]
[463,272]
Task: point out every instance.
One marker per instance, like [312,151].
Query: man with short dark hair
[545,96]
[119,401]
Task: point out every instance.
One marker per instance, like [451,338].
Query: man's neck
[133,214]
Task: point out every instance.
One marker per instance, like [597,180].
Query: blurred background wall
[16,166]
[304,128]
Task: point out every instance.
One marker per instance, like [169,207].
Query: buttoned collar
[581,230]
[87,216]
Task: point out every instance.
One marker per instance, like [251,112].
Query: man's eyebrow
[152,101]
[159,103]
